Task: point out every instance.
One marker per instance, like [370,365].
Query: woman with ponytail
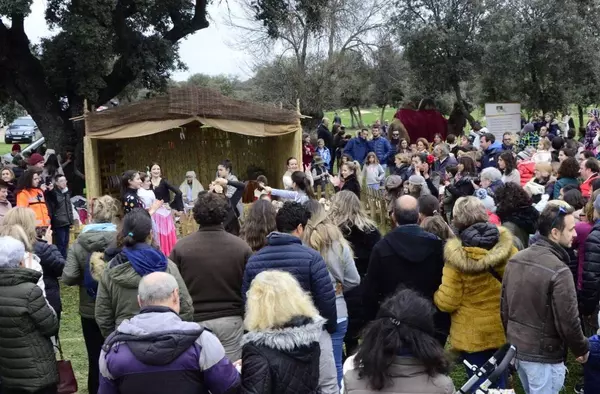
[399,353]
[116,298]
[301,189]
[325,237]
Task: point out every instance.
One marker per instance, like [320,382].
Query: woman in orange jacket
[30,194]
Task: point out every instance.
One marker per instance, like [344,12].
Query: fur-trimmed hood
[473,260]
[299,333]
[97,265]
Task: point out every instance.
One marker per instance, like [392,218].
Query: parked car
[22,129]
[7,158]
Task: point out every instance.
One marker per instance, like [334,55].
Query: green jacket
[86,244]
[117,293]
[27,360]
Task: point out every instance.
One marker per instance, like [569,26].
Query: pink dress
[163,226]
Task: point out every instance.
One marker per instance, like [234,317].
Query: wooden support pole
[298,137]
[91,163]
[93,183]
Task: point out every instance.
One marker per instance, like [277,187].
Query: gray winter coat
[408,377]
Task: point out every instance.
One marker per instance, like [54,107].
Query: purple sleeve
[107,386]
[221,377]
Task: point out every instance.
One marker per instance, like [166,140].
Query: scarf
[145,259]
[104,227]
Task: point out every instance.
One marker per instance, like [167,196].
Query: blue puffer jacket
[591,369]
[285,252]
[382,149]
[358,149]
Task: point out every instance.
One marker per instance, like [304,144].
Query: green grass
[74,347]
[4,148]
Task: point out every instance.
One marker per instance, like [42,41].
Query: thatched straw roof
[182,103]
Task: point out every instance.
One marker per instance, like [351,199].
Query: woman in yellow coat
[471,282]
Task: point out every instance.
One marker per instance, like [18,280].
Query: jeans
[480,358]
[93,343]
[60,238]
[229,330]
[538,378]
[327,373]
[337,340]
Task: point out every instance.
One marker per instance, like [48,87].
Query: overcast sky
[209,51]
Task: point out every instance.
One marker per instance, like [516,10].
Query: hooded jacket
[27,359]
[157,352]
[283,360]
[285,252]
[117,292]
[88,242]
[469,291]
[408,376]
[548,323]
[408,256]
[53,263]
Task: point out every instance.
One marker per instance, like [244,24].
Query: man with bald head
[408,257]
[157,352]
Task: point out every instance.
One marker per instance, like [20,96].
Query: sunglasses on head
[561,211]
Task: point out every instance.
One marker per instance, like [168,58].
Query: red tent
[423,123]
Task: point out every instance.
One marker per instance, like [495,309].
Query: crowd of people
[493,242]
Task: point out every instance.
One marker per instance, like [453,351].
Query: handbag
[67,384]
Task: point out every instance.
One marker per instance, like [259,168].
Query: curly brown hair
[511,198]
[210,209]
[569,168]
[259,222]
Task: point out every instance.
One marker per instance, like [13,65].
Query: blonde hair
[321,234]
[467,212]
[544,167]
[347,211]
[403,157]
[105,209]
[17,233]
[546,144]
[353,166]
[274,298]
[24,217]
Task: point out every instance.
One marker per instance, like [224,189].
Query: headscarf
[145,259]
[196,186]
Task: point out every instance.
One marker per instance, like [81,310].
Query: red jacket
[586,186]
[308,151]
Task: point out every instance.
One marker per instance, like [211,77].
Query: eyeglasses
[561,211]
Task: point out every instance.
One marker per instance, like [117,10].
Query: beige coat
[408,377]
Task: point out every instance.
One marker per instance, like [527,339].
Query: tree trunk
[360,121]
[382,113]
[580,115]
[461,104]
[353,118]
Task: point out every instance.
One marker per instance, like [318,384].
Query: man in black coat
[58,199]
[407,257]
[324,134]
